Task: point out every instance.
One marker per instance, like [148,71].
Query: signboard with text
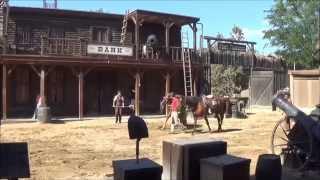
[232,47]
[110,50]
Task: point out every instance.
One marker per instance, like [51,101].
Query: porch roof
[160,17]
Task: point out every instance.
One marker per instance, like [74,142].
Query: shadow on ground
[226,130]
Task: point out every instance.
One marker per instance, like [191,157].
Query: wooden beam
[4,91]
[35,69]
[11,69]
[49,70]
[137,93]
[133,18]
[88,70]
[80,80]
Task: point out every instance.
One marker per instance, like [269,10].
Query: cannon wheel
[292,143]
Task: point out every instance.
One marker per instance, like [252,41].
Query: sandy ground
[85,149]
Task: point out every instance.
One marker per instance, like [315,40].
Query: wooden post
[167,35]
[42,87]
[167,26]
[195,82]
[137,93]
[4,92]
[137,24]
[42,45]
[194,29]
[80,77]
[168,77]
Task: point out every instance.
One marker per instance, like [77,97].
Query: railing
[160,54]
[62,46]
[79,47]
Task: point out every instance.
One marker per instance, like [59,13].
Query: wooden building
[305,87]
[76,61]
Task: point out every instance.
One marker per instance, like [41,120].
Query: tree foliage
[227,81]
[237,33]
[219,35]
[294,29]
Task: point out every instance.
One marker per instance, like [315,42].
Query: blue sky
[216,15]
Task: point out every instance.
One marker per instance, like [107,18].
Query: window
[24,35]
[100,34]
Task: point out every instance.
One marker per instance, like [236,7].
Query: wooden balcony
[63,47]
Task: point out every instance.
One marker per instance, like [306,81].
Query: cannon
[296,137]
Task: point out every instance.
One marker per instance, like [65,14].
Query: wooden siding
[29,34]
[245,60]
[71,29]
[1,22]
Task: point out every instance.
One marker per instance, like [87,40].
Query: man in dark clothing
[118,104]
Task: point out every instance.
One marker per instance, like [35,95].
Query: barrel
[44,114]
[268,167]
[234,109]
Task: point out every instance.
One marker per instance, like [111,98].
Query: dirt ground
[85,149]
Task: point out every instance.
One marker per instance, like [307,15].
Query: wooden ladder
[186,63]
[124,27]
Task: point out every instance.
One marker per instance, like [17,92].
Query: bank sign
[110,50]
[232,47]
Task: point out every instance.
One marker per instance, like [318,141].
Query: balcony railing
[79,47]
[174,54]
[62,47]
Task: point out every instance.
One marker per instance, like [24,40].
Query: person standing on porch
[118,104]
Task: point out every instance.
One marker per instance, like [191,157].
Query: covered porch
[84,91]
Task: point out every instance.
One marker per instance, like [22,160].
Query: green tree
[227,80]
[237,33]
[294,30]
[219,35]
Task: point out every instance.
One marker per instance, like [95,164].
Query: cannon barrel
[293,112]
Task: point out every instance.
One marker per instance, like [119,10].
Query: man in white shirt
[118,104]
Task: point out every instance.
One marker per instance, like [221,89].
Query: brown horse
[219,106]
[200,107]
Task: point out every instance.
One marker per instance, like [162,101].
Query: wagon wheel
[292,143]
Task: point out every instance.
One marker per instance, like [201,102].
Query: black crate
[225,167]
[128,169]
[14,160]
[181,158]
